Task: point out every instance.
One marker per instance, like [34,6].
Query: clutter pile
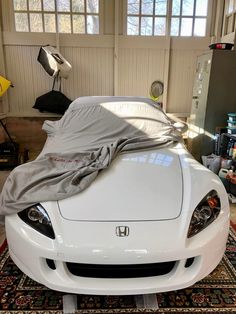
[223,162]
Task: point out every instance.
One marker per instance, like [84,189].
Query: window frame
[153,16]
[69,13]
[168,16]
[229,19]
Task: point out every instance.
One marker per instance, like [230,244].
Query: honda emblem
[122,231]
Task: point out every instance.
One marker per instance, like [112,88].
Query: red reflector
[219,46]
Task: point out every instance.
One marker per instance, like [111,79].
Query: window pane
[187,7]
[35,5]
[49,23]
[147,6]
[186,27]
[92,24]
[49,5]
[176,7]
[160,26]
[78,24]
[78,5]
[63,5]
[174,29]
[20,5]
[201,7]
[146,26]
[200,27]
[132,25]
[161,7]
[231,6]
[21,20]
[64,23]
[36,24]
[92,6]
[133,6]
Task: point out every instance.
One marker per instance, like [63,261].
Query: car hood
[142,186]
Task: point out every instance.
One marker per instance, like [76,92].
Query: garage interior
[119,48]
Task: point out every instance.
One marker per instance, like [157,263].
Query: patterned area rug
[214,294]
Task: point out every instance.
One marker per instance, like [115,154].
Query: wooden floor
[2,234]
[4,174]
[233,215]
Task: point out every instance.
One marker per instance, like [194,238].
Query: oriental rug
[214,294]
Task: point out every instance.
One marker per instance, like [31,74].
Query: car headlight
[205,213]
[37,217]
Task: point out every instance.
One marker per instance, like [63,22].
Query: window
[229,17]
[163,17]
[231,6]
[188,17]
[146,17]
[63,16]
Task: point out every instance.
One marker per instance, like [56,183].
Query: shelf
[223,142]
[229,135]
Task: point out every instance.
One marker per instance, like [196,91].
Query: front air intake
[51,263]
[120,271]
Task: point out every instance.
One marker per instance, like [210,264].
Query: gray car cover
[82,143]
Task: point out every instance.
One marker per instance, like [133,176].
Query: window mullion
[71,18]
[140,14]
[180,17]
[56,13]
[194,15]
[168,17]
[85,16]
[42,13]
[154,17]
[28,15]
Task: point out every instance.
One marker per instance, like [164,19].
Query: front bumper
[97,243]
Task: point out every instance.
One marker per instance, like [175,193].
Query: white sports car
[155,221]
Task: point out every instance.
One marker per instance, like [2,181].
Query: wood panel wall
[138,68]
[92,74]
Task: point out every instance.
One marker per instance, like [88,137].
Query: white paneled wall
[28,77]
[92,74]
[92,71]
[138,68]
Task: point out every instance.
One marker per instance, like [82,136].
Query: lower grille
[120,271]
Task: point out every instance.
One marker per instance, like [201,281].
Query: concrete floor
[4,174]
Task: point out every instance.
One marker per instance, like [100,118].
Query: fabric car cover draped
[82,143]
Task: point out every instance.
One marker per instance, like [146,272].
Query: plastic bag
[212,162]
[54,101]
